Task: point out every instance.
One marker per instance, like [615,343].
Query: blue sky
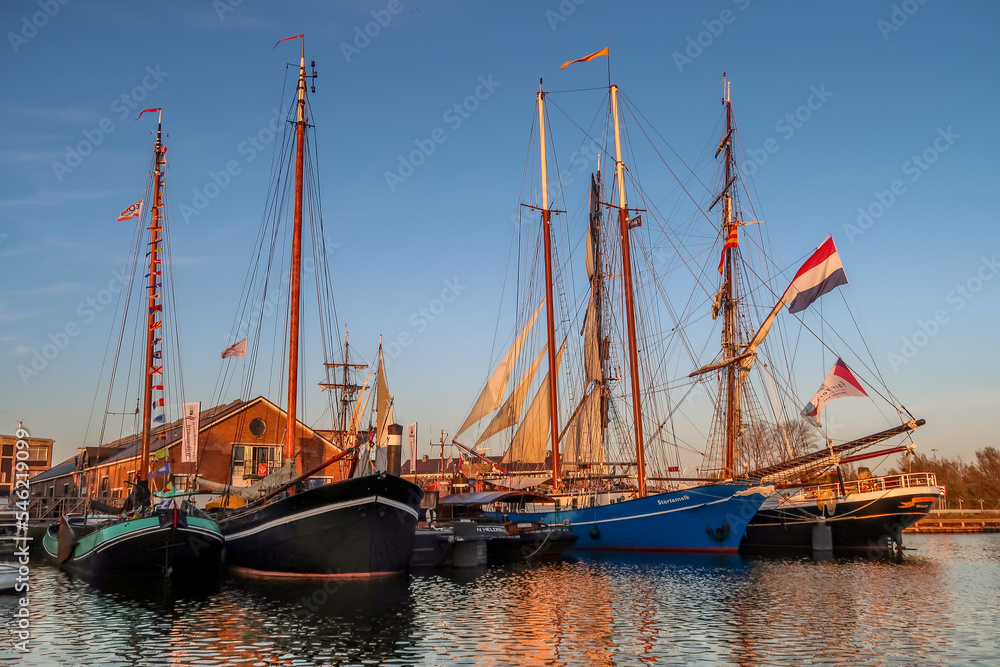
[886,107]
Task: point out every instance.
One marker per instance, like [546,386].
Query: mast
[549,308]
[296,265]
[348,389]
[152,324]
[729,231]
[633,357]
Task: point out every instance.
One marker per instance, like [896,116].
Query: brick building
[238,443]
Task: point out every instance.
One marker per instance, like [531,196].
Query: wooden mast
[296,265]
[633,357]
[729,229]
[549,306]
[152,323]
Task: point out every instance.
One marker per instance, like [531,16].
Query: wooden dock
[950,521]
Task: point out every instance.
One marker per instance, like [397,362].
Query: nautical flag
[839,383]
[635,222]
[157,387]
[157,402]
[602,52]
[158,418]
[156,370]
[133,211]
[820,274]
[158,308]
[238,349]
[145,110]
[673,469]
[732,241]
[285,40]
[161,453]
[157,354]
[461,462]
[163,471]
[156,325]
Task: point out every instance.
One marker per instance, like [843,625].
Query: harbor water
[939,606]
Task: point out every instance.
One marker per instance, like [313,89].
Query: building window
[254,461]
[105,485]
[65,490]
[38,454]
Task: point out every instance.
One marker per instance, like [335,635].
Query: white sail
[496,387]
[510,411]
[383,403]
[531,440]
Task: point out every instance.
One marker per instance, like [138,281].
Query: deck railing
[886,483]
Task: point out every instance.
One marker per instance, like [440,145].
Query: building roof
[131,446]
[58,470]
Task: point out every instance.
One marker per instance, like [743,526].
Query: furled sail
[493,393]
[583,438]
[531,439]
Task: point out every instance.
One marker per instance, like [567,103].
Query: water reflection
[939,606]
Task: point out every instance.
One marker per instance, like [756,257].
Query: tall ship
[147,537]
[341,517]
[595,436]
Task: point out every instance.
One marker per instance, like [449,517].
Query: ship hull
[701,519]
[858,522]
[356,527]
[166,545]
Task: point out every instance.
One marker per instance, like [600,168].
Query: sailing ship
[609,502]
[171,539]
[815,508]
[358,526]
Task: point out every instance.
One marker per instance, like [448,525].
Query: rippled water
[939,607]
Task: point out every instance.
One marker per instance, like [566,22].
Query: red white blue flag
[839,383]
[820,274]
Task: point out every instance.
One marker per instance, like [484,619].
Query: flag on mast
[133,211]
[820,274]
[839,383]
[732,241]
[598,54]
[238,349]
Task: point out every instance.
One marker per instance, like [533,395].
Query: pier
[954,521]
